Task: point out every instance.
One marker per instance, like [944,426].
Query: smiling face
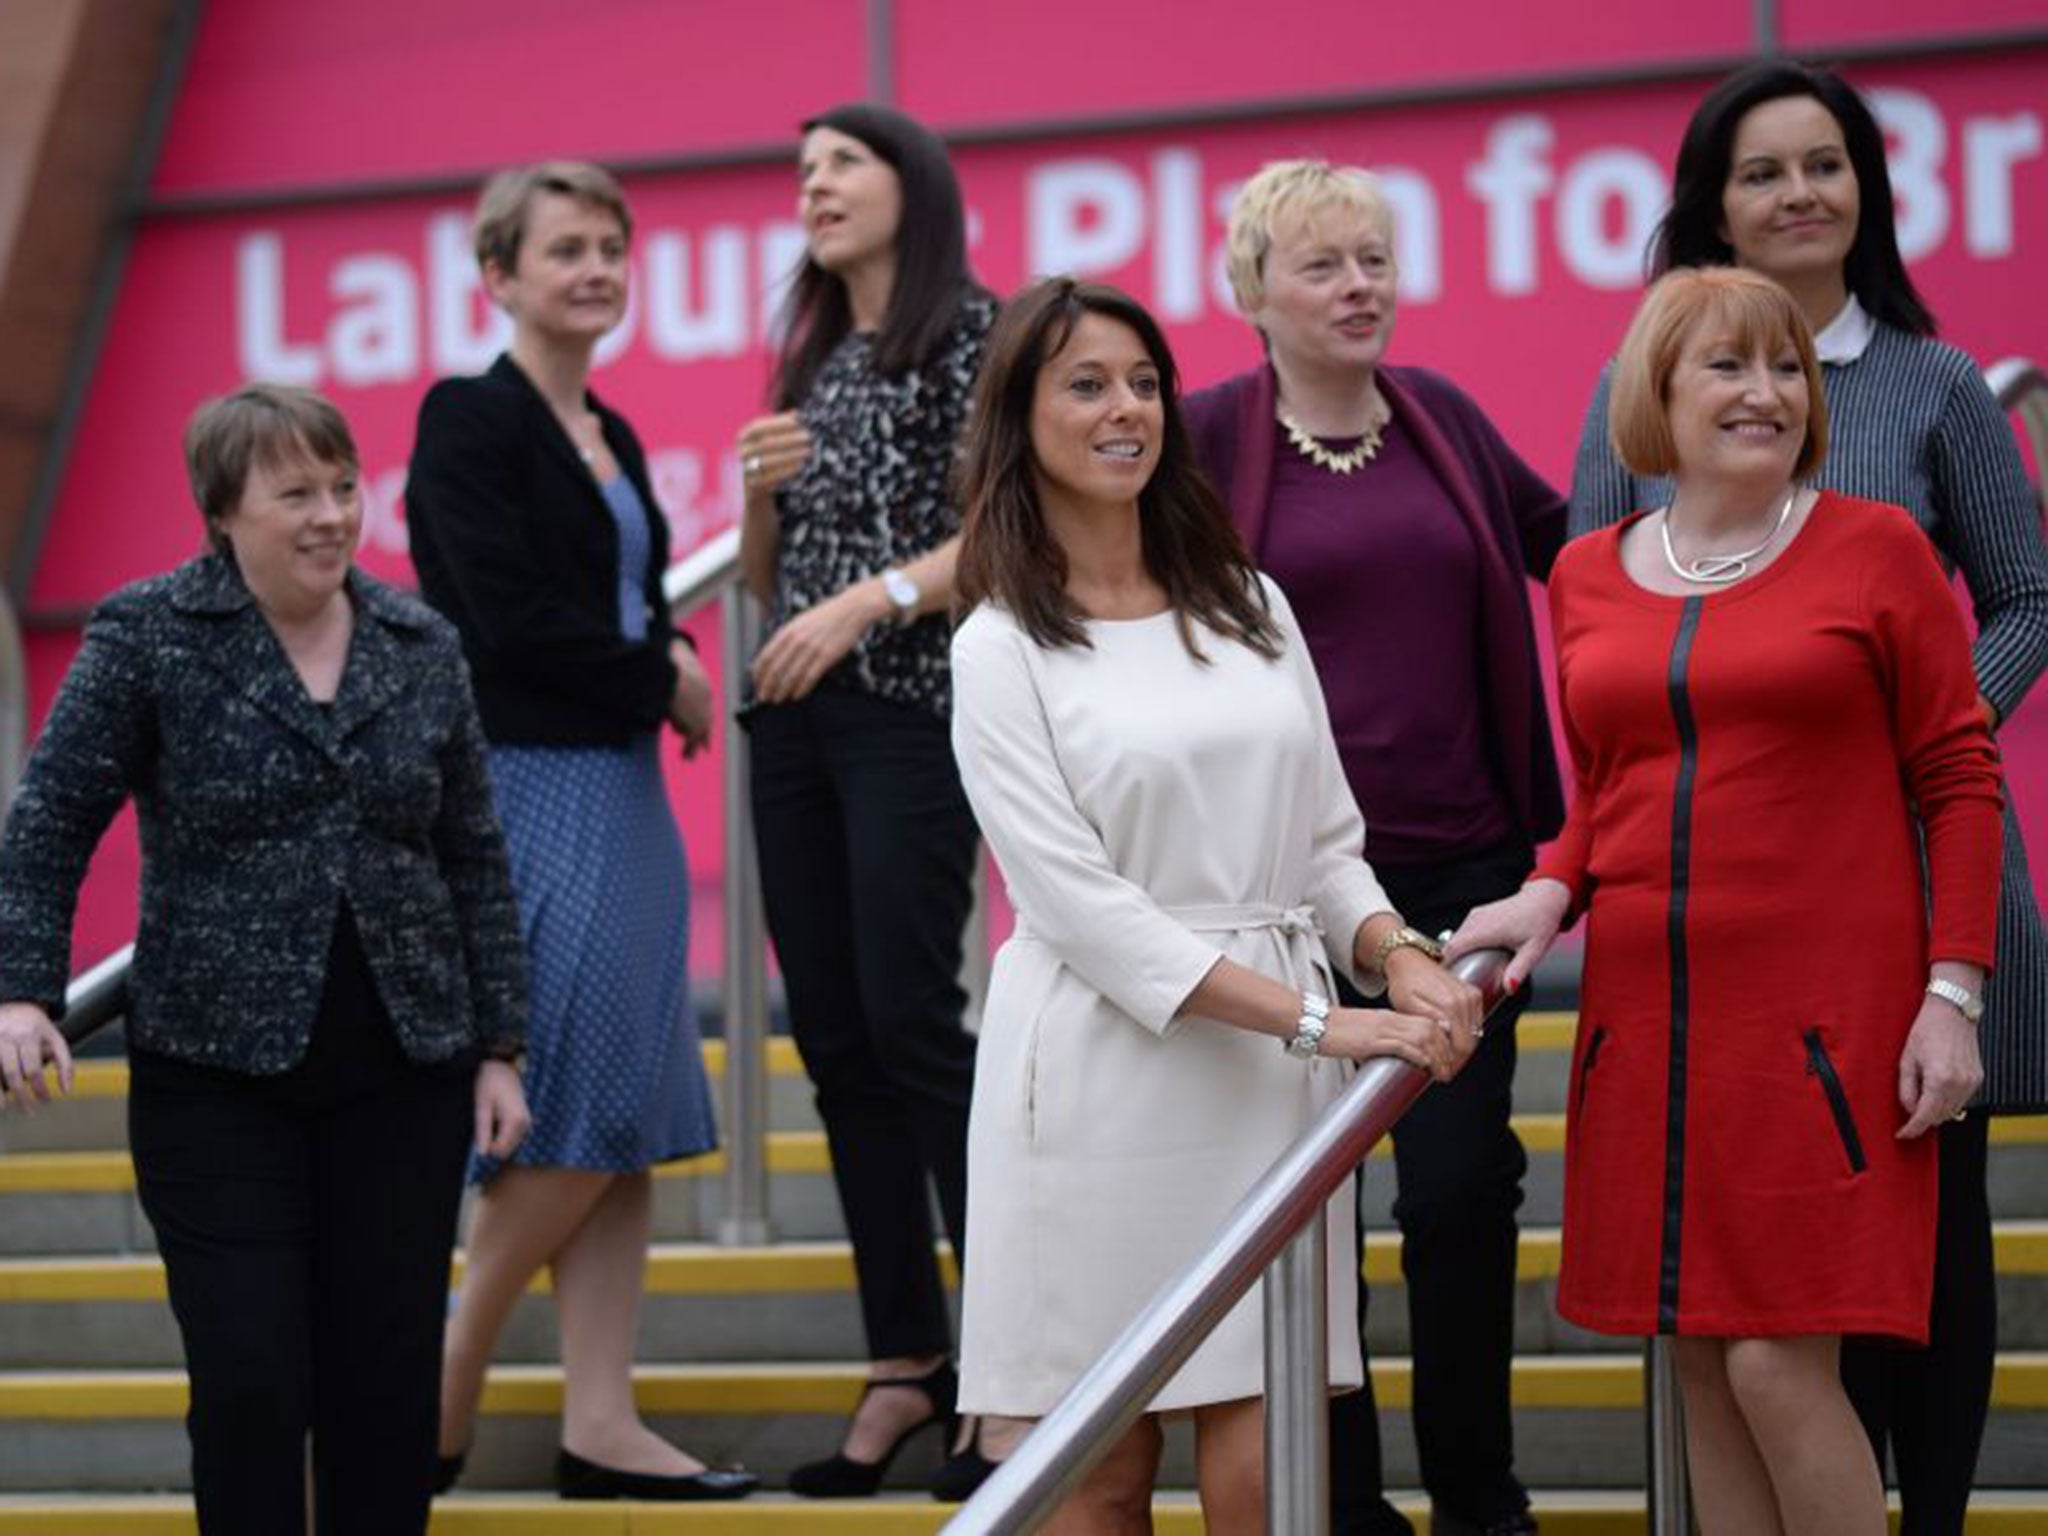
[1329,292]
[1737,410]
[1791,203]
[850,201]
[294,531]
[1097,417]
[569,278]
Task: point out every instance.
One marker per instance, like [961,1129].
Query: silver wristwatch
[903,593]
[1309,1028]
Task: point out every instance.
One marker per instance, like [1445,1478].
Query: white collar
[1846,337]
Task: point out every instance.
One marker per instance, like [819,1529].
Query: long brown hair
[1007,554]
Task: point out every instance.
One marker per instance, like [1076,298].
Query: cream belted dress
[1151,815]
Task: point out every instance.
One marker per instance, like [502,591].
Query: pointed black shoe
[839,1476]
[965,1471]
[576,1478]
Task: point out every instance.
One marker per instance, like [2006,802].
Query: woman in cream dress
[1143,739]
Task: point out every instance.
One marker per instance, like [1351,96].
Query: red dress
[1743,832]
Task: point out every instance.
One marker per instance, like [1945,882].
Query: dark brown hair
[1007,554]
[258,424]
[932,276]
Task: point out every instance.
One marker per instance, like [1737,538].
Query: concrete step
[83,1201]
[1573,1513]
[1577,1423]
[792,1301]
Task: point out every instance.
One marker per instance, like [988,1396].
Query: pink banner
[1522,226]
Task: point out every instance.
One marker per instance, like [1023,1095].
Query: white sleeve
[1343,890]
[1104,927]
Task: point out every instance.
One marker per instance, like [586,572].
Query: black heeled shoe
[447,1471]
[576,1478]
[840,1476]
[965,1471]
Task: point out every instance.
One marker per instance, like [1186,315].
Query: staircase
[751,1354]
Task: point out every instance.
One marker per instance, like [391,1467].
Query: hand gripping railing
[1277,1229]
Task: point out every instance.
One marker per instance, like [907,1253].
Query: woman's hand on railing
[1417,984]
[502,1118]
[1525,923]
[1358,1034]
[691,708]
[30,1044]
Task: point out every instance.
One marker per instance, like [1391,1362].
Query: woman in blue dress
[535,529]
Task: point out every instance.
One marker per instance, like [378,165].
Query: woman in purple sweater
[1403,530]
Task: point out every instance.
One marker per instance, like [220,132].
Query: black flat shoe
[840,1476]
[448,1470]
[576,1478]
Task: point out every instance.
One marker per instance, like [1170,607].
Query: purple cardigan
[1517,523]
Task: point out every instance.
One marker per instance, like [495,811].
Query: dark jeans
[1930,1404]
[867,861]
[1459,1167]
[305,1223]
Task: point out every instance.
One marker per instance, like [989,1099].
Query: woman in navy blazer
[535,529]
[328,990]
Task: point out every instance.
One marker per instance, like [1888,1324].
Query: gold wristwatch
[1405,938]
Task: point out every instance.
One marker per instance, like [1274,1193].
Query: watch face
[901,589]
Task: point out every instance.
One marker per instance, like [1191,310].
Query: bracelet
[1964,1001]
[1309,1028]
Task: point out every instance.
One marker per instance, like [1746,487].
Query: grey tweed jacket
[260,813]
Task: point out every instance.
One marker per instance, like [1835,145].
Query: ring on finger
[1961,1114]
[751,464]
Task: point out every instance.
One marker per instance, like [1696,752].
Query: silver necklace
[1719,570]
[1353,458]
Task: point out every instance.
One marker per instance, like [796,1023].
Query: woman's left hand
[502,1118]
[800,653]
[1417,984]
[1940,1069]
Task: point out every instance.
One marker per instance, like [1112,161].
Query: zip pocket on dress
[1818,1065]
[1586,1068]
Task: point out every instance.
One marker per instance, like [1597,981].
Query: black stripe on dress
[1681,875]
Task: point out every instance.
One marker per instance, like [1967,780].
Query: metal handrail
[1280,1224]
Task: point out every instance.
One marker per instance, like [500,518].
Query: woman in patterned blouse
[866,841]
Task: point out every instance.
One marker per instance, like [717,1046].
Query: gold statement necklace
[1311,448]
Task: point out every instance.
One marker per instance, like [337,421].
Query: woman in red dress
[1768,698]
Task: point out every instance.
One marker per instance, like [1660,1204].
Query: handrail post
[13,702]
[1670,1497]
[744,1220]
[1298,1384]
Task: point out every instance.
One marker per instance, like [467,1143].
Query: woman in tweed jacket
[329,986]
[1782,170]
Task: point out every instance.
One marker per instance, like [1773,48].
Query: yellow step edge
[108,1079]
[699,1269]
[2020,1383]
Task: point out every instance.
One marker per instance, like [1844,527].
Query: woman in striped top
[1782,170]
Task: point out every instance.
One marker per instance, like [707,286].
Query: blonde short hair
[500,224]
[1287,192]
[1758,316]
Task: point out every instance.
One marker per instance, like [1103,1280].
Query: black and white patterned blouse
[877,492]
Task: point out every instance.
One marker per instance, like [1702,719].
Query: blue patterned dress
[614,1069]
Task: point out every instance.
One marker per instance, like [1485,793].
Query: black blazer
[514,543]
[260,813]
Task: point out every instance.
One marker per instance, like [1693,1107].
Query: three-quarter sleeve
[471,517]
[1103,926]
[1990,525]
[95,751]
[1946,756]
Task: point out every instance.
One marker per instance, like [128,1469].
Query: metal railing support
[1110,1396]
[745,1219]
[1669,1494]
[1298,1384]
[13,702]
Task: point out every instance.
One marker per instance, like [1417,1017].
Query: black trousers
[1459,1166]
[305,1223]
[867,861]
[1929,1405]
